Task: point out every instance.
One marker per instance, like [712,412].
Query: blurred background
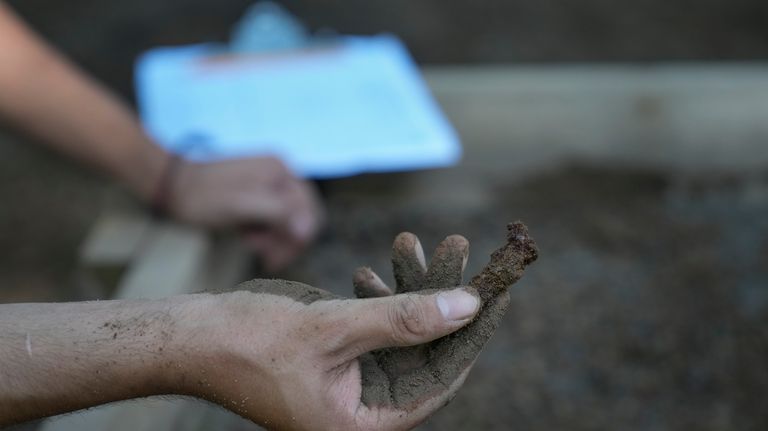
[631,137]
[106,37]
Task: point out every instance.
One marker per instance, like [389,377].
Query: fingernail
[457,304]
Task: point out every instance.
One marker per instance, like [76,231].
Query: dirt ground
[647,308]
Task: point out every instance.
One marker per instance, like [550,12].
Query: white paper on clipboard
[359,105]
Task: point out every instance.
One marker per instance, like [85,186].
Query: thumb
[407,319]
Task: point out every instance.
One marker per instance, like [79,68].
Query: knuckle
[280,168]
[271,160]
[274,167]
[407,320]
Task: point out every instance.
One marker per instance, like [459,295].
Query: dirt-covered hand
[278,213]
[285,354]
[404,377]
[291,356]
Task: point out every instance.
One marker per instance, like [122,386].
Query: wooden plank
[676,116]
[170,263]
[114,239]
[111,245]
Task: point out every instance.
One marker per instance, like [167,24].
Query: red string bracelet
[163,192]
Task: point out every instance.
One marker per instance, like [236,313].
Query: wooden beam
[111,245]
[678,116]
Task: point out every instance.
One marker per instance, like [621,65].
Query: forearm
[45,96]
[56,358]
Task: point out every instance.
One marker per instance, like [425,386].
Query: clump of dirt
[299,292]
[507,263]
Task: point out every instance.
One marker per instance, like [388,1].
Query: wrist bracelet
[163,191]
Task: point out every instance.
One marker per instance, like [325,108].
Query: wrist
[199,345]
[219,340]
[142,171]
[154,334]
